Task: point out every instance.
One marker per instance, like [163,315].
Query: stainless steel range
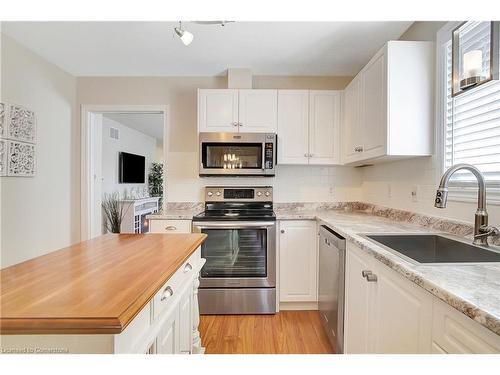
[239,276]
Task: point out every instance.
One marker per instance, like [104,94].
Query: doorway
[123,148]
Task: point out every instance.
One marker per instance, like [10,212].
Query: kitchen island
[124,293]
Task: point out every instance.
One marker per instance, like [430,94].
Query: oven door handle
[235,224]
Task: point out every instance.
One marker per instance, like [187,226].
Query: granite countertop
[473,289]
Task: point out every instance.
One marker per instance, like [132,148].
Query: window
[471,123]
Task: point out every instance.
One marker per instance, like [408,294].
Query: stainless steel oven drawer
[237,301]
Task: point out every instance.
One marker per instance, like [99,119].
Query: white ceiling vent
[114,133]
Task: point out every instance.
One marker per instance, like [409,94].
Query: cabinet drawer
[170,290]
[456,333]
[169,226]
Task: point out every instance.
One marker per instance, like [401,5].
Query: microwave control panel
[269,156]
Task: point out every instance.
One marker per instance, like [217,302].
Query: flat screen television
[131,168]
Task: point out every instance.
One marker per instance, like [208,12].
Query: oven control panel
[237,193]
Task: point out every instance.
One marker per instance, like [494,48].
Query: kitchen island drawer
[170,291]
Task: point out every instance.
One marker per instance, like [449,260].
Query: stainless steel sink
[434,248]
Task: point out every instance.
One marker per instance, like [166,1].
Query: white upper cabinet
[324,127]
[351,129]
[258,111]
[218,110]
[388,108]
[309,126]
[293,126]
[374,101]
[232,110]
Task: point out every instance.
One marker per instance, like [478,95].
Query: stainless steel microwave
[237,154]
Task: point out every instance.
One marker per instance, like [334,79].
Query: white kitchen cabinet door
[167,341]
[358,303]
[218,110]
[374,113]
[186,321]
[456,333]
[293,126]
[324,126]
[298,261]
[351,131]
[402,315]
[258,111]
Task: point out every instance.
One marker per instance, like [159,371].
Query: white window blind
[472,124]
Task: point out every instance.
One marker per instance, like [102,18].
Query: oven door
[238,254]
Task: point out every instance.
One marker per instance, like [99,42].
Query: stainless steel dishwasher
[331,285]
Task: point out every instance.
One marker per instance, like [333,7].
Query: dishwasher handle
[332,237]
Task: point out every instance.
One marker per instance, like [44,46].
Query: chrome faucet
[481,229]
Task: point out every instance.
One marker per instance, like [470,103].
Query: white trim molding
[87,156]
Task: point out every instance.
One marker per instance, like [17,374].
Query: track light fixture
[185,36]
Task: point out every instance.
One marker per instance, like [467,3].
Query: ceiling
[150,48]
[148,123]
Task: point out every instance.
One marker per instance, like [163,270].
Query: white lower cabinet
[402,314]
[298,260]
[455,333]
[386,313]
[167,341]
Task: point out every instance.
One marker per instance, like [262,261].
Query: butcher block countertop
[96,286]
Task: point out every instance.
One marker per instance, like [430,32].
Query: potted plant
[113,212]
[155,181]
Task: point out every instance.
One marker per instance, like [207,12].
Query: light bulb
[187,37]
[473,63]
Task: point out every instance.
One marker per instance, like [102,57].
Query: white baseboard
[284,306]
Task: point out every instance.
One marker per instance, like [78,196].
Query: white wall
[292,183]
[42,213]
[131,141]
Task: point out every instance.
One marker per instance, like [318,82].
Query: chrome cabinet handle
[168,290]
[371,278]
[365,273]
[306,155]
[282,231]
[170,227]
[234,123]
[188,267]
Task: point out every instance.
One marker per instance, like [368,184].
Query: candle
[473,63]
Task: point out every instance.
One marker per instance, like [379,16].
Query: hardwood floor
[287,332]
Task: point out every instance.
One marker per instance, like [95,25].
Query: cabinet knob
[240,124]
[306,155]
[167,292]
[365,273]
[188,267]
[282,231]
[311,155]
[234,123]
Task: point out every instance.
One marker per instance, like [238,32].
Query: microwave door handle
[263,156]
